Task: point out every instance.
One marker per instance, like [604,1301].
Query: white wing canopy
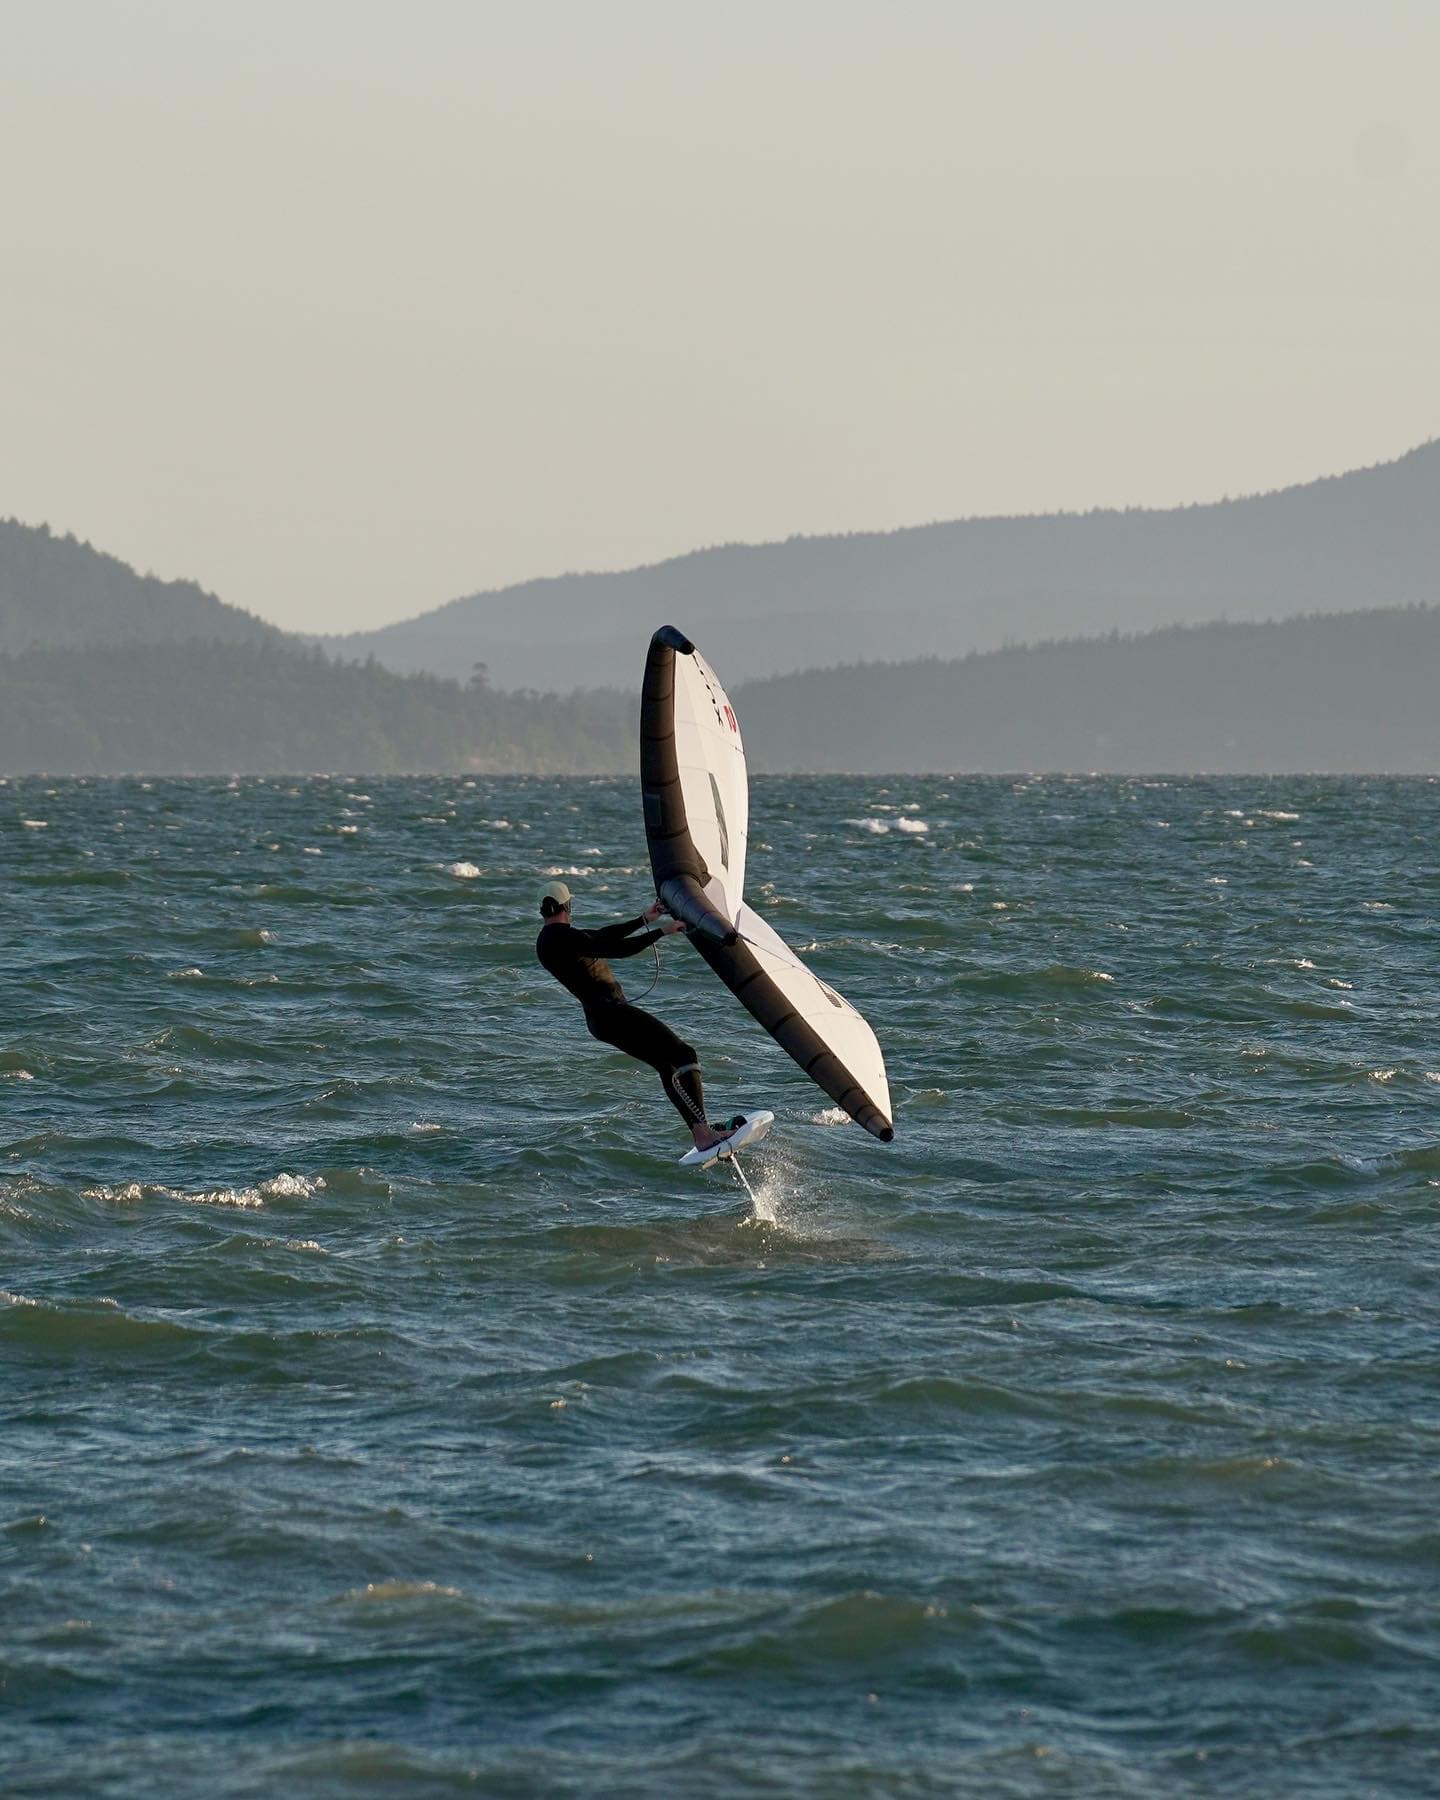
[697,815]
[713,781]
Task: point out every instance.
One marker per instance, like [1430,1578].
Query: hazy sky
[347,307]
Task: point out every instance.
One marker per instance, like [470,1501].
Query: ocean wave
[1054,976]
[865,1629]
[385,1593]
[80,878]
[830,1115]
[60,1326]
[242,1199]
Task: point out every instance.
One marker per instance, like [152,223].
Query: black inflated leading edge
[680,877]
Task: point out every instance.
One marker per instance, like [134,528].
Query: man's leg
[684,1088]
[649,1040]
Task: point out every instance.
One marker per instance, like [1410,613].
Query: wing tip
[674,639]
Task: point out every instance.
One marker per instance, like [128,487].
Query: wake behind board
[749,1131]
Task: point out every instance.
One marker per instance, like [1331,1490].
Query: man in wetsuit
[577,960]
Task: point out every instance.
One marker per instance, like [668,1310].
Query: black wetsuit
[576,958]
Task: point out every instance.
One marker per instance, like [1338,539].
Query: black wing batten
[680,877]
[679,869]
[666,830]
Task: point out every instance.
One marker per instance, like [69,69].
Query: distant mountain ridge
[1341,693]
[103,670]
[60,593]
[1342,543]
[1348,693]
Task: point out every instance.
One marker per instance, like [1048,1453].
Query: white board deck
[754,1128]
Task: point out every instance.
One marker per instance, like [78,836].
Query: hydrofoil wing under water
[697,816]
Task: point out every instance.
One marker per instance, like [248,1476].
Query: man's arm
[615,940]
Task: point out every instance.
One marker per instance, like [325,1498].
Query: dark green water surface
[382,1411]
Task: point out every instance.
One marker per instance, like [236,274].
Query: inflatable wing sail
[697,816]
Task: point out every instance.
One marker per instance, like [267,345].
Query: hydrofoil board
[749,1131]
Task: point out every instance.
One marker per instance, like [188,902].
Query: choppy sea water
[382,1411]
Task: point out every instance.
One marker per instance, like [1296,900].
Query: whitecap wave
[291,1187]
[915,826]
[126,1195]
[243,1199]
[462,871]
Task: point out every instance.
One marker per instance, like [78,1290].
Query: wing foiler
[697,816]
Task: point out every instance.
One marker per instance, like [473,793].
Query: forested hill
[1349,542]
[57,591]
[1342,694]
[1346,693]
[199,708]
[104,671]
